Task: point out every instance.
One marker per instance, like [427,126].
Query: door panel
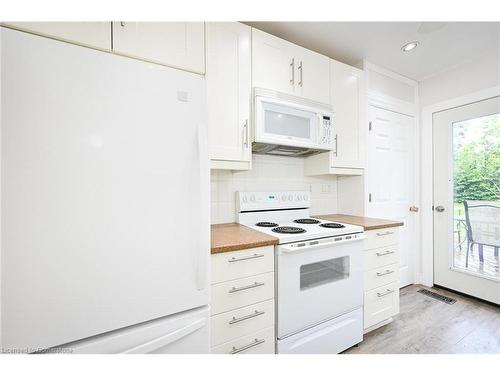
[466,155]
[177,44]
[391,179]
[229,89]
[94,34]
[272,60]
[313,75]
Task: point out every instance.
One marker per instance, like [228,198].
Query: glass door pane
[476,189]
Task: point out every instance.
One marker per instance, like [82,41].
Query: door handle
[254,256]
[249,316]
[387,272]
[413,209]
[245,134]
[439,209]
[388,291]
[246,287]
[292,67]
[300,75]
[246,347]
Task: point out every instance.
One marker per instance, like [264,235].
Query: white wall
[479,73]
[270,173]
[460,85]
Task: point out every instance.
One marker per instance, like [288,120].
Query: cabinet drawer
[380,238]
[383,256]
[241,322]
[381,276]
[380,304]
[260,342]
[244,263]
[237,293]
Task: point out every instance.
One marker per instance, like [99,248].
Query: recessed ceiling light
[409,46]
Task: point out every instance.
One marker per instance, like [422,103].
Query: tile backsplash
[269,173]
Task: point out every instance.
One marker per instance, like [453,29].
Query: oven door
[283,123]
[318,280]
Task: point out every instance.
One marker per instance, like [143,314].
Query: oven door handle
[294,249]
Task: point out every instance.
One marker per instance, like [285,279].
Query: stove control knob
[290,197]
[252,198]
[245,199]
[283,198]
[306,198]
[298,198]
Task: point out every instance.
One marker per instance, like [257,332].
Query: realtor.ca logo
[28,350]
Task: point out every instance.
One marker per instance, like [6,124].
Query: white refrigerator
[104,202]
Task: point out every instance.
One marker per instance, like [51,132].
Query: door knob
[413,209]
[439,208]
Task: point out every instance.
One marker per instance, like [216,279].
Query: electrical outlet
[326,188]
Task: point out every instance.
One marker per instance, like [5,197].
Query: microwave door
[285,125]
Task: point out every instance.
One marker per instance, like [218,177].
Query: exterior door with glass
[466,153]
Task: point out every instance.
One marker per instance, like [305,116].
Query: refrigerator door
[105,185]
[184,333]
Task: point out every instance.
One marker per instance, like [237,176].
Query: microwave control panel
[326,130]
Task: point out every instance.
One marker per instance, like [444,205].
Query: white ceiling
[442,44]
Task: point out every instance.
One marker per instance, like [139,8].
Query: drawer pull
[251,345]
[241,288]
[385,233]
[388,291]
[249,316]
[385,253]
[387,272]
[233,259]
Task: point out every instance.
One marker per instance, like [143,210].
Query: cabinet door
[273,63]
[345,90]
[177,44]
[229,90]
[92,34]
[313,75]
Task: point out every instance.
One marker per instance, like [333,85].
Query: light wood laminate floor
[426,325]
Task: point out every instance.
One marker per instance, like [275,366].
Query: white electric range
[319,283]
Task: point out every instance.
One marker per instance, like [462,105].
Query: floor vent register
[439,297]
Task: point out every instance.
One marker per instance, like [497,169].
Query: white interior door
[467,169]
[391,179]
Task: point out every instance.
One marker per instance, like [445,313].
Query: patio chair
[482,219]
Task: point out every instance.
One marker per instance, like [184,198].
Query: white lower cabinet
[381,277]
[92,34]
[242,320]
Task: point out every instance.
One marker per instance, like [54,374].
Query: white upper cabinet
[92,34]
[177,44]
[229,93]
[346,89]
[347,92]
[285,67]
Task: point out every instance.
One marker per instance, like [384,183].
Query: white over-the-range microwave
[291,126]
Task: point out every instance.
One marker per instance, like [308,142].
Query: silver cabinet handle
[388,291]
[292,66]
[254,285]
[385,253]
[385,273]
[385,233]
[251,345]
[233,259]
[245,134]
[249,316]
[336,145]
[300,75]
[440,209]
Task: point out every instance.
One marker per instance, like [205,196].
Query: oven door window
[289,122]
[324,272]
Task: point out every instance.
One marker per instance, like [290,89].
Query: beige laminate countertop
[233,236]
[368,223]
